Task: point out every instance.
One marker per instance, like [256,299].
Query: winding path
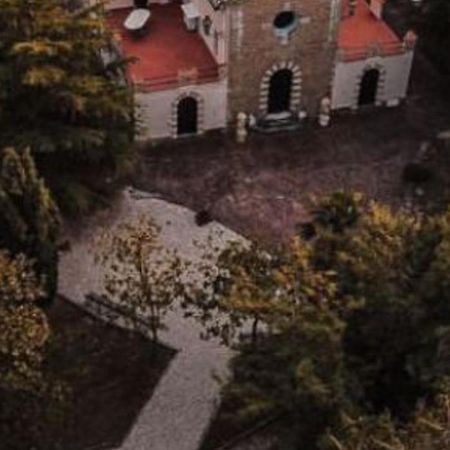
[178,414]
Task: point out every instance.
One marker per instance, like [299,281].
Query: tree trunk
[255,331]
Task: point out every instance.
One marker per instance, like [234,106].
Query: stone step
[273,124]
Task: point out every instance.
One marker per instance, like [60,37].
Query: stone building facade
[201,63]
[280,48]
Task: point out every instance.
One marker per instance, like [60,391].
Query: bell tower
[281,56]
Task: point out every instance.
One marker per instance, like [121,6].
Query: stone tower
[281,55]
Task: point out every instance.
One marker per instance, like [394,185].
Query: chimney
[376,7]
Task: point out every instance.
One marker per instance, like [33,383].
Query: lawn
[108,375]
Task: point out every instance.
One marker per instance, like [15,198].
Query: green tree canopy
[142,279]
[59,95]
[23,326]
[353,322]
[29,218]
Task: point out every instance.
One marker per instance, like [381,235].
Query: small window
[207,23]
[285,21]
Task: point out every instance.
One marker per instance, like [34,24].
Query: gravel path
[179,412]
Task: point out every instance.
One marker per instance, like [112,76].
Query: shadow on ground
[111,373]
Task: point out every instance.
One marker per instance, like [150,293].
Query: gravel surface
[185,400]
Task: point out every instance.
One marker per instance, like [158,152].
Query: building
[201,62]
[372,64]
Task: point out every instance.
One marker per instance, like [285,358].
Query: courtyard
[262,188]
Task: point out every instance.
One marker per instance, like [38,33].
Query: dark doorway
[140,3]
[369,87]
[280,91]
[187,116]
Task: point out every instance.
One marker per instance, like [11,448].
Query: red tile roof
[167,52]
[363,31]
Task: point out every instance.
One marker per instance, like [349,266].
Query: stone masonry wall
[256,52]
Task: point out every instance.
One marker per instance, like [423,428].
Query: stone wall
[257,51]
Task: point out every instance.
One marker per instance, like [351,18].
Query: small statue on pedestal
[241,128]
[325,111]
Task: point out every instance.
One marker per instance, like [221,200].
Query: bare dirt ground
[261,188]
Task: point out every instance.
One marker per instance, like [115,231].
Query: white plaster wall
[394,79]
[115,4]
[155,109]
[219,23]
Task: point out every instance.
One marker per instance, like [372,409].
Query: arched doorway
[280,89]
[187,116]
[369,87]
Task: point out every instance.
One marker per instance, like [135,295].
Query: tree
[59,95]
[23,326]
[428,429]
[294,369]
[237,290]
[142,279]
[32,397]
[354,322]
[29,218]
[387,261]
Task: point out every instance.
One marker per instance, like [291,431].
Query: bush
[338,211]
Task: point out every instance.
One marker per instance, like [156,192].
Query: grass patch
[108,375]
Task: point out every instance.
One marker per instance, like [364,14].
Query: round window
[285,21]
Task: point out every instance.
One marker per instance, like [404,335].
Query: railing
[349,54]
[182,78]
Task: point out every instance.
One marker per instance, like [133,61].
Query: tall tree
[23,326]
[355,321]
[427,429]
[32,397]
[141,278]
[29,218]
[59,95]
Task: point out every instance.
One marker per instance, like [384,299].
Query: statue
[302,115]
[325,111]
[251,121]
[241,128]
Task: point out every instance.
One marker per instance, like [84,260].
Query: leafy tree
[295,367]
[354,322]
[142,279]
[237,290]
[428,429]
[32,398]
[29,219]
[338,211]
[23,326]
[59,95]
[386,262]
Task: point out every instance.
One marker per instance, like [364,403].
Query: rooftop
[167,54]
[363,33]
